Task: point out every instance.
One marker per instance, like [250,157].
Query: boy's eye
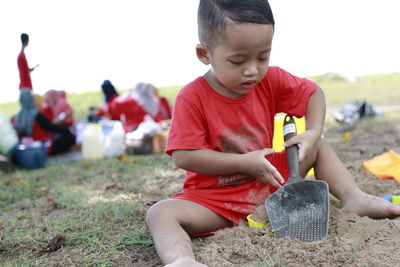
[263,59]
[235,62]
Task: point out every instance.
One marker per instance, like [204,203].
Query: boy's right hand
[256,165]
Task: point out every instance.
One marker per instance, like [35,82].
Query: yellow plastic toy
[254,224]
[396,199]
[277,142]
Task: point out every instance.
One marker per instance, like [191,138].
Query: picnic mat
[386,165]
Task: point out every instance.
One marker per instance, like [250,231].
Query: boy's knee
[153,211]
[321,149]
[309,161]
[318,148]
[160,210]
[322,145]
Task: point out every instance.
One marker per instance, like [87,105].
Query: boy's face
[241,60]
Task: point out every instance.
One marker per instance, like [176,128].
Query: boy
[222,128]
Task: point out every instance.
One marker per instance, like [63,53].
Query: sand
[351,241]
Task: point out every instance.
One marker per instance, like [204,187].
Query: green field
[81,101]
[379,89]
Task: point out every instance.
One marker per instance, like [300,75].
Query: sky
[80,43]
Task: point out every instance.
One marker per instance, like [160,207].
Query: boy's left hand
[306,142]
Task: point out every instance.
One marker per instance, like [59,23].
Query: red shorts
[236,202]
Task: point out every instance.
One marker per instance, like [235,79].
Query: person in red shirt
[131,108]
[30,122]
[104,112]
[63,112]
[164,105]
[24,70]
[222,130]
[57,109]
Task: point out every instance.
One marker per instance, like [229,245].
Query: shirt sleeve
[47,125]
[291,92]
[188,127]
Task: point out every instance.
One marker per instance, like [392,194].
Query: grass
[100,210]
[379,89]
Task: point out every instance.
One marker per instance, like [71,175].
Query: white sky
[80,43]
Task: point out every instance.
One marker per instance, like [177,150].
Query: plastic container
[114,143]
[392,198]
[93,142]
[32,156]
[254,224]
[277,142]
[107,126]
[396,199]
[79,128]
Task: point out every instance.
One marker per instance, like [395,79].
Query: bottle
[114,144]
[93,142]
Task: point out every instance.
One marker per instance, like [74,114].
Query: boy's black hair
[24,38]
[213,16]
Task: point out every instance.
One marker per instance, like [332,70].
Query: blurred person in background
[131,108]
[164,105]
[30,122]
[63,112]
[24,70]
[110,94]
[57,109]
[50,103]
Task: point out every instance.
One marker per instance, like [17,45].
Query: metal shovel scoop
[299,209]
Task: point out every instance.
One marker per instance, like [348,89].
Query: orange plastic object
[386,165]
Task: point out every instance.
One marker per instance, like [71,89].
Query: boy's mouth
[249,84]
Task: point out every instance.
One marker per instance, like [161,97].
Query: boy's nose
[250,70]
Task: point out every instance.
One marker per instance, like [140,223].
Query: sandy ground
[352,240]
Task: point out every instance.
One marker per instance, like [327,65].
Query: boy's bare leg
[170,223]
[328,167]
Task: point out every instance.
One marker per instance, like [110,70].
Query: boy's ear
[202,54]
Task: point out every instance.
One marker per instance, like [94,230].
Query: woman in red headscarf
[57,109]
[133,107]
[50,102]
[63,112]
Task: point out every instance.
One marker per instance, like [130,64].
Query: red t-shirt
[40,134]
[47,111]
[165,108]
[105,110]
[24,72]
[131,114]
[203,118]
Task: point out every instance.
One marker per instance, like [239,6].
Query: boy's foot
[185,262]
[371,206]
